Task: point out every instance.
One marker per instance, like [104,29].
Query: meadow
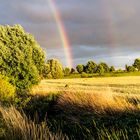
[129,85]
[83,108]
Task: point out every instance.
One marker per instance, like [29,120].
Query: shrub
[84,75]
[7,91]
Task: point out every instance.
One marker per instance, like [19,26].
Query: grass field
[126,85]
[103,108]
[112,103]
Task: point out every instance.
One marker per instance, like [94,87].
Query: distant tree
[84,75]
[66,71]
[91,67]
[137,64]
[21,57]
[126,68]
[131,69]
[72,70]
[80,68]
[100,70]
[54,69]
[112,69]
[119,71]
[105,67]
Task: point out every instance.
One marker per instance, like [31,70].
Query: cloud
[100,29]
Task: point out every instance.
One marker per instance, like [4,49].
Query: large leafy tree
[55,69]
[137,64]
[21,57]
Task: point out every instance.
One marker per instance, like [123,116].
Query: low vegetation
[96,108]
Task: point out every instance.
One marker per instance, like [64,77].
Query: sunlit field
[124,85]
[117,93]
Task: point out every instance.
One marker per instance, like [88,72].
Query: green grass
[115,74]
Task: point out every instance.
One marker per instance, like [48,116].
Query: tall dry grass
[19,127]
[97,102]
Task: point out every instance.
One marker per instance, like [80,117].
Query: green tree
[105,67]
[72,70]
[21,57]
[112,69]
[66,71]
[80,68]
[131,69]
[100,69]
[55,69]
[46,70]
[137,64]
[91,67]
[126,67]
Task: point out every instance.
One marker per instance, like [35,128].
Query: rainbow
[62,32]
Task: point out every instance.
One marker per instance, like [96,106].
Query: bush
[84,75]
[7,91]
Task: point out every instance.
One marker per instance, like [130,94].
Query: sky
[99,30]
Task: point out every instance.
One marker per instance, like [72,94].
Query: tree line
[91,67]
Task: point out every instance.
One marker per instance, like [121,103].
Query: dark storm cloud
[99,29]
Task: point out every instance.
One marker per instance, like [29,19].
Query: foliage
[84,75]
[80,68]
[72,71]
[112,69]
[66,71]
[54,70]
[90,67]
[119,71]
[137,64]
[105,67]
[21,58]
[131,69]
[46,70]
[100,69]
[7,91]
